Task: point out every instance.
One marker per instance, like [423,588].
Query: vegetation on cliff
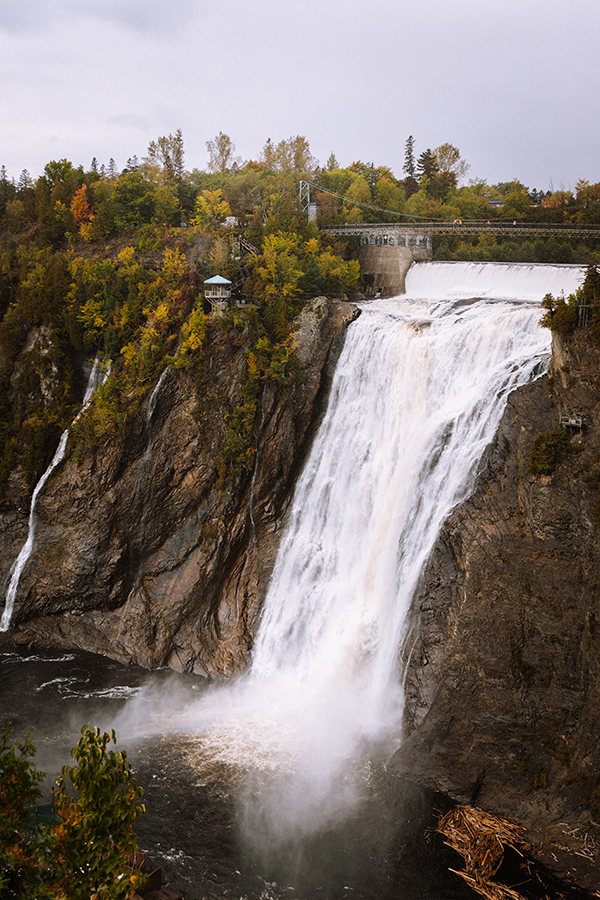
[113,262]
[563,314]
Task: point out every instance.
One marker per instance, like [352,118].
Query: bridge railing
[504,226]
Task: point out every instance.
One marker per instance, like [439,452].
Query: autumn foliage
[82,854]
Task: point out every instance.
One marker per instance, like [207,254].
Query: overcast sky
[514,84]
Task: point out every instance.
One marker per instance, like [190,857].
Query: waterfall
[97,374]
[153,396]
[499,281]
[417,396]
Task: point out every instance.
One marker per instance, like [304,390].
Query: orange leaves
[82,213]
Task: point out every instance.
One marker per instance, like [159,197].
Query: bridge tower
[312,210]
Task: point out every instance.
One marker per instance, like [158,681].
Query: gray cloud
[149,18]
[511,82]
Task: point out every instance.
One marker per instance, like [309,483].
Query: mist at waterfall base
[283,771]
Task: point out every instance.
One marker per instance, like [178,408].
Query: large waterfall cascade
[417,396]
[98,374]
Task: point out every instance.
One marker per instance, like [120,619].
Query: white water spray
[97,375]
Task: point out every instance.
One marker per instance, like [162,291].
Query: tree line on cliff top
[97,260]
[159,190]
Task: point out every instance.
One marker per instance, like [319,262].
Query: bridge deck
[469,226]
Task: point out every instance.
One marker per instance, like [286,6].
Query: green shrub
[548,448]
[561,315]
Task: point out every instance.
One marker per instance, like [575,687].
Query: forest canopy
[110,261]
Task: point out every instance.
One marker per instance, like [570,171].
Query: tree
[360,192]
[82,855]
[221,153]
[301,157]
[58,171]
[427,166]
[268,156]
[26,182]
[291,155]
[80,207]
[409,157]
[516,200]
[449,161]
[167,153]
[95,834]
[19,789]
[280,270]
[211,209]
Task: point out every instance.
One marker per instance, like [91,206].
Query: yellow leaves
[253,367]
[127,256]
[87,229]
[211,209]
[162,313]
[91,315]
[129,353]
[338,275]
[175,265]
[281,271]
[194,333]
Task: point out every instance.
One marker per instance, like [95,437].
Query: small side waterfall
[417,396]
[97,375]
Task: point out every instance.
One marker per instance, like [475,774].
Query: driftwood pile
[481,840]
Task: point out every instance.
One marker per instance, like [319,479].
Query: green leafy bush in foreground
[81,854]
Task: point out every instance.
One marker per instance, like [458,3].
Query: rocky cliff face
[139,553]
[503,687]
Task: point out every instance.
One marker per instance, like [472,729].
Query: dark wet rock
[140,554]
[503,687]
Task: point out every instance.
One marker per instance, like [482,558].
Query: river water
[276,785]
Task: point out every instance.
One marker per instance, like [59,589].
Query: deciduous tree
[19,789]
[167,152]
[449,160]
[211,209]
[221,152]
[95,835]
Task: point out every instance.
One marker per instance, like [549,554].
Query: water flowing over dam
[417,396]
